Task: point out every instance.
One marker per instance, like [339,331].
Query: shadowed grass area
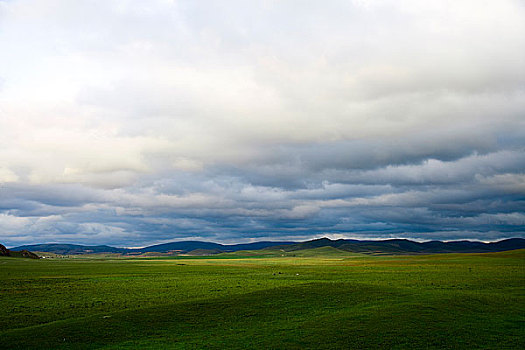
[439,301]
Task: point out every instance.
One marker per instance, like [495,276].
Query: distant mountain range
[404,246]
[390,246]
[182,247]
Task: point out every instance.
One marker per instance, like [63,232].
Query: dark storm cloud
[482,198]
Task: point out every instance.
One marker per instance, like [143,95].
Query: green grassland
[317,299]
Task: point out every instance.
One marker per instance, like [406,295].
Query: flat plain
[323,299]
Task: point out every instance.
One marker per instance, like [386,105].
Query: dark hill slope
[23,254]
[17,254]
[4,251]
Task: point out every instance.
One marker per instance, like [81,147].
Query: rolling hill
[182,247]
[403,246]
[71,249]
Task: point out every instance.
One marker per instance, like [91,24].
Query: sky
[132,123]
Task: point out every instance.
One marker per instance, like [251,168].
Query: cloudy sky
[138,122]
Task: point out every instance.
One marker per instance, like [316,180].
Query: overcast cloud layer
[138,122]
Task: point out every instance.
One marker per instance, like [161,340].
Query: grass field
[321,299]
